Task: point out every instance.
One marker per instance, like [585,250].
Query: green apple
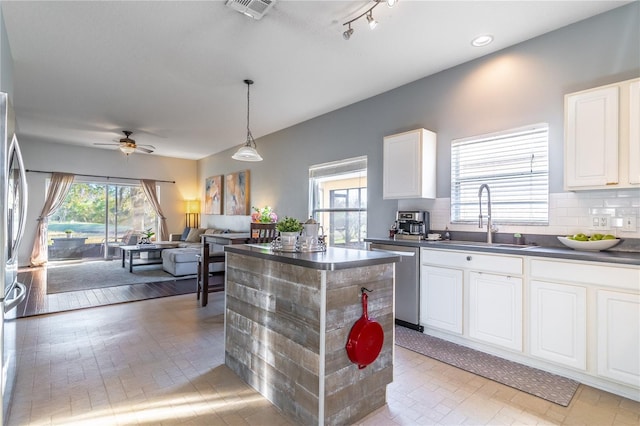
[609,237]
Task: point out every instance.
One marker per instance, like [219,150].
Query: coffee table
[129,251]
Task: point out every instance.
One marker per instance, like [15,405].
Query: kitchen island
[287,321]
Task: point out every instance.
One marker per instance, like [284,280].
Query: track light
[372,22]
[347,34]
[369,14]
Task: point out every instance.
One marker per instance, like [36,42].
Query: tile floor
[161,361]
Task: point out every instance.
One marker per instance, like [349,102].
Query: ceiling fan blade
[106,144]
[148,151]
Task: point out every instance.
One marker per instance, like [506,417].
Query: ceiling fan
[128,145]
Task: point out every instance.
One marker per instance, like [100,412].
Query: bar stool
[203,271]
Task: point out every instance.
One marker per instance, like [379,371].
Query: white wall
[46,156]
[521,85]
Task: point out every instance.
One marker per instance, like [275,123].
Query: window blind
[515,165]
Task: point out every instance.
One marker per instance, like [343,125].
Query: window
[93,214]
[515,165]
[338,200]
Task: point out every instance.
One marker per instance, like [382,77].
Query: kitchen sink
[483,244]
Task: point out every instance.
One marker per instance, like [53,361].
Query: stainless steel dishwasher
[407,288]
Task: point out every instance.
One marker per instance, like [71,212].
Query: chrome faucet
[489,227]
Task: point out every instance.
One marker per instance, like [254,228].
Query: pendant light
[248,152]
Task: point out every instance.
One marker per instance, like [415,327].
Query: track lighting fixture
[372,22]
[369,15]
[347,33]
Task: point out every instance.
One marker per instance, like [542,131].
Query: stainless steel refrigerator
[13,210]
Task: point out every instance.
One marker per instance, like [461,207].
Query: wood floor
[38,302]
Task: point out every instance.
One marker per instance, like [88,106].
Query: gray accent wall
[520,85]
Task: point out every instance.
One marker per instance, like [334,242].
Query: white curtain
[149,187]
[58,190]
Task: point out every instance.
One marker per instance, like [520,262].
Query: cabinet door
[495,309]
[558,323]
[441,298]
[618,338]
[634,132]
[409,165]
[591,138]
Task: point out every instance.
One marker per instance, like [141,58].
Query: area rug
[64,277]
[551,387]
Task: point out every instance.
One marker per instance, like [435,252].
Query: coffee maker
[412,224]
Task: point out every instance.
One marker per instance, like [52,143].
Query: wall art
[213,195]
[236,193]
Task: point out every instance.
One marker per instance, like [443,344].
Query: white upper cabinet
[602,142]
[634,132]
[409,165]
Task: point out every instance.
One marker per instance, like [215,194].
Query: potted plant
[68,232]
[289,229]
[289,224]
[146,236]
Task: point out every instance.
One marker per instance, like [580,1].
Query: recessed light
[482,40]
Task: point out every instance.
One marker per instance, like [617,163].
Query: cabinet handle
[611,183]
[468,257]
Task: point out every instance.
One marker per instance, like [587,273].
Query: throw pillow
[185,233]
[212,231]
[194,235]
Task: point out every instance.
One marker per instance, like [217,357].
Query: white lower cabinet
[575,318]
[495,309]
[558,323]
[618,319]
[441,298]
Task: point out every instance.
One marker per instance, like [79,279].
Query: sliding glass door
[96,218]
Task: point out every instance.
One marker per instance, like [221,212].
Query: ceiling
[173,71]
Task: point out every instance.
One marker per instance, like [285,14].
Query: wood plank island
[287,321]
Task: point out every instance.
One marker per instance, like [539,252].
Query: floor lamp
[192,216]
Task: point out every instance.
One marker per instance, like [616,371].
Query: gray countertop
[333,259]
[609,256]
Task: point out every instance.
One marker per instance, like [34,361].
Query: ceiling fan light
[247,153]
[391,3]
[127,149]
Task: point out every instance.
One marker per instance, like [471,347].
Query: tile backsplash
[569,213]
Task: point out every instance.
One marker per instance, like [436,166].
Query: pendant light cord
[250,139]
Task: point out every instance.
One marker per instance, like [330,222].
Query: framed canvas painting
[213,195]
[236,193]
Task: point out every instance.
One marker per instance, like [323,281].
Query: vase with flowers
[264,215]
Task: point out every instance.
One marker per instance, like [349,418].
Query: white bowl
[589,245]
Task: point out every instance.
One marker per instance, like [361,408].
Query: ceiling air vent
[255,9]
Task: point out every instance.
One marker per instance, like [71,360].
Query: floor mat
[551,387]
[63,277]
